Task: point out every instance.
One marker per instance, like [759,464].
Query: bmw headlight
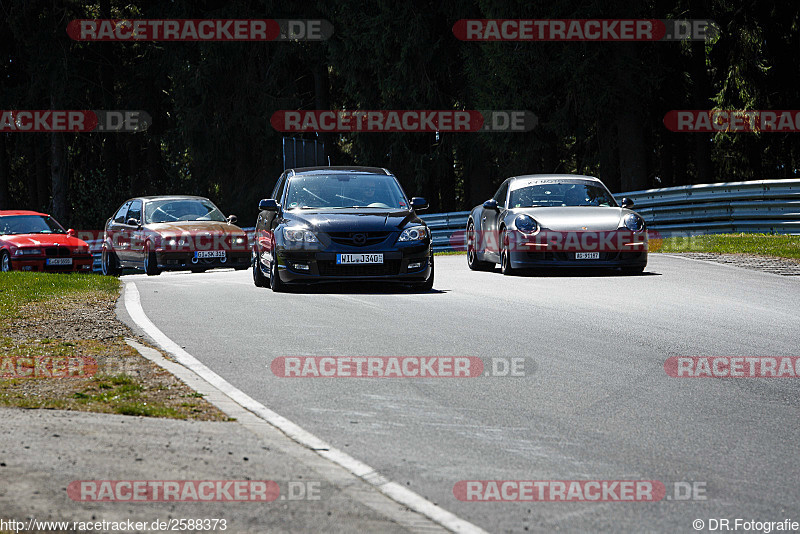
[633,222]
[240,240]
[28,252]
[526,224]
[415,233]
[299,235]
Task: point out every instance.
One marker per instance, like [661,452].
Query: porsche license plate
[349,259]
[202,254]
[59,261]
[587,255]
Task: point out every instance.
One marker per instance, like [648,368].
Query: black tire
[109,263]
[275,282]
[258,276]
[472,253]
[505,256]
[633,270]
[427,285]
[150,261]
[5,262]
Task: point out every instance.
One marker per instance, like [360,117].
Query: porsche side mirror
[268,204]
[71,232]
[419,203]
[232,219]
[490,204]
[626,203]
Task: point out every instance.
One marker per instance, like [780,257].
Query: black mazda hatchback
[326,224]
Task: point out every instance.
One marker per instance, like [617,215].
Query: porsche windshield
[184,209]
[29,224]
[561,194]
[344,191]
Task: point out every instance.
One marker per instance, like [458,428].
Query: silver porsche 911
[554,220]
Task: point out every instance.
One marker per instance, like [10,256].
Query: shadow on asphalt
[582,272]
[361,288]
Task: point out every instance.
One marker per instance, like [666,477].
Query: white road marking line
[393,490]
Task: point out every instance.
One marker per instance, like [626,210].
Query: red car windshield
[29,224]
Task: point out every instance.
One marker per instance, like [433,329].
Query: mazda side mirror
[419,203]
[268,204]
[490,204]
[627,203]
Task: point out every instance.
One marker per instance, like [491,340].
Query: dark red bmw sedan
[32,241]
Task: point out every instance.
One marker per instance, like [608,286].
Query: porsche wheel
[505,255]
[472,252]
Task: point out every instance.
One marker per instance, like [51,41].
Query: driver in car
[368,192]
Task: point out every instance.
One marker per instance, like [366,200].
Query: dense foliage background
[600,105]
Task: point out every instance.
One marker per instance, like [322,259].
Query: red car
[31,241]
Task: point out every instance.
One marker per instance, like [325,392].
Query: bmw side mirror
[133,222]
[419,203]
[490,204]
[232,219]
[627,203]
[71,232]
[268,204]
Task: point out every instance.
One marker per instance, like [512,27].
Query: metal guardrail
[760,206]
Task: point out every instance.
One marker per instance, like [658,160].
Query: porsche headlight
[299,235]
[526,224]
[633,222]
[415,233]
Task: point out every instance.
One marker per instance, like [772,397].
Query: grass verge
[780,246]
[47,320]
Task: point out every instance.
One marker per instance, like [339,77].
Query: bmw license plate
[587,255]
[59,261]
[348,259]
[202,254]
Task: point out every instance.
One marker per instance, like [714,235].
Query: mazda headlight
[526,224]
[299,235]
[28,252]
[633,222]
[415,233]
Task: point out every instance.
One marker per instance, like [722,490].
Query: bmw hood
[576,218]
[44,240]
[352,220]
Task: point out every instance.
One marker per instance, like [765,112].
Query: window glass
[119,217]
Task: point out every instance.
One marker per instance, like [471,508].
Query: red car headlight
[28,252]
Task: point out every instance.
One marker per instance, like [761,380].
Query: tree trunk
[42,200]
[632,150]
[5,199]
[58,174]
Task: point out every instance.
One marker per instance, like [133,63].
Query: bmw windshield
[336,191]
[29,224]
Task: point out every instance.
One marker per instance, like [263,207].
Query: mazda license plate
[349,259]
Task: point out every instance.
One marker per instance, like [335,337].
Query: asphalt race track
[595,402]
